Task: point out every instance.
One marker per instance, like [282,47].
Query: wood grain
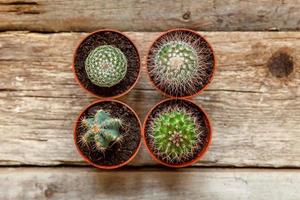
[83,183]
[255,115]
[142,15]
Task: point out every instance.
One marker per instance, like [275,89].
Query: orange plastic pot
[77,124]
[213,70]
[91,92]
[198,156]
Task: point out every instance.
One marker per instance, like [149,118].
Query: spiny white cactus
[106,66]
[178,63]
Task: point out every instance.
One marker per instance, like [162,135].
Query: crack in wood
[232,90]
[8,90]
[20,7]
[135,89]
[17,3]
[34,139]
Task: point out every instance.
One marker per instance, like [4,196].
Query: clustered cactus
[175,135]
[178,63]
[101,130]
[106,66]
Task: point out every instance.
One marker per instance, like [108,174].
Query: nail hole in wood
[186,15]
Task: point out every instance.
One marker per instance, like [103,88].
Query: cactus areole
[106,64]
[180,63]
[107,134]
[177,132]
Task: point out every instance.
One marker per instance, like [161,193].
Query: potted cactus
[177,132]
[180,63]
[106,64]
[107,134]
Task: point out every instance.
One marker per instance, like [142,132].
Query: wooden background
[254,106]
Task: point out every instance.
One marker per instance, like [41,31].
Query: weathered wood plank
[141,15]
[256,116]
[83,183]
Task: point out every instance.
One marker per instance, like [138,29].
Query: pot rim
[92,93]
[84,156]
[199,155]
[214,65]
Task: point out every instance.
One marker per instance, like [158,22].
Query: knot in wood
[280,64]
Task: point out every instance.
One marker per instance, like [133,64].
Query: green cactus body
[175,134]
[106,66]
[177,62]
[101,129]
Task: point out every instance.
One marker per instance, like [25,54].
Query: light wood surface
[83,183]
[255,154]
[255,115]
[145,15]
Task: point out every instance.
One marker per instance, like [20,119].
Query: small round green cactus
[101,129]
[175,134]
[106,66]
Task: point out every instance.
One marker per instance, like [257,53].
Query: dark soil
[107,38]
[195,39]
[117,153]
[201,120]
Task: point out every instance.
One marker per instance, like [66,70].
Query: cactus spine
[106,66]
[101,130]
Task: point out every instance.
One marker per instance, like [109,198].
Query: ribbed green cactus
[106,66]
[178,63]
[175,134]
[101,129]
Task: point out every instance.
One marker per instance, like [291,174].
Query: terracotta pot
[98,38]
[199,155]
[101,105]
[213,67]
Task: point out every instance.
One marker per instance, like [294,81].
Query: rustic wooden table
[254,104]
